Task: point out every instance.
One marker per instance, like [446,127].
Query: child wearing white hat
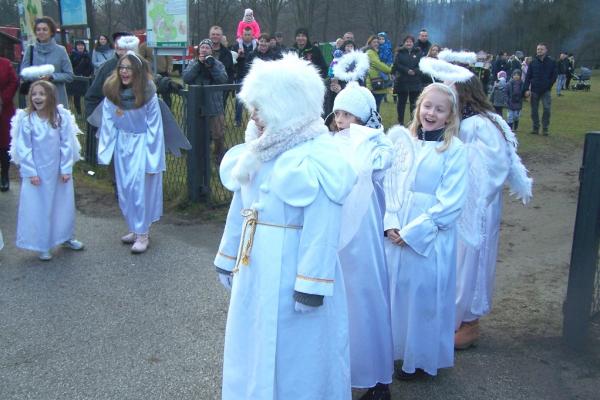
[359,131]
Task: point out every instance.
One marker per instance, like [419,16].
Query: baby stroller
[582,80]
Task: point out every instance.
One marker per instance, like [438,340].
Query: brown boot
[467,335]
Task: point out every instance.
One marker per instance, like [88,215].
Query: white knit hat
[358,101]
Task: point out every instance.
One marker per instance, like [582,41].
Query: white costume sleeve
[228,248]
[69,144]
[107,135]
[155,144]
[21,146]
[420,233]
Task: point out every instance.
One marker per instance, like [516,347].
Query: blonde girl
[45,146]
[424,191]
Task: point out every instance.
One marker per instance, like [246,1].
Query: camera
[209,61]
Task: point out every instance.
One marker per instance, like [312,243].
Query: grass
[573,115]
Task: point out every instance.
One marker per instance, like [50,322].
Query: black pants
[4,162]
[401,103]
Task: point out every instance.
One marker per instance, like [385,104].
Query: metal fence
[583,291]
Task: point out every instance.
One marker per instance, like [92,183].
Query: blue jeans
[378,98]
[560,83]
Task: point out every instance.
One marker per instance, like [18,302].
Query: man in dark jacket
[541,75]
[244,51]
[94,94]
[562,69]
[423,42]
[207,70]
[500,64]
[309,52]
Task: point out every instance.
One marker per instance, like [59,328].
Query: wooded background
[491,25]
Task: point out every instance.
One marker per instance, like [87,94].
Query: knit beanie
[502,74]
[358,101]
[248,15]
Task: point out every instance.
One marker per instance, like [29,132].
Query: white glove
[303,308]
[226,280]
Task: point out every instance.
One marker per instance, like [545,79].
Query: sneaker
[45,256]
[406,376]
[535,131]
[129,238]
[141,244]
[545,132]
[73,244]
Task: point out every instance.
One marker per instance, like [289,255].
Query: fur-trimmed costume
[46,216]
[287,326]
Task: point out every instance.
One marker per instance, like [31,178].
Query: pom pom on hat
[357,100]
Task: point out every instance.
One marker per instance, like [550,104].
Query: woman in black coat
[408,83]
[82,66]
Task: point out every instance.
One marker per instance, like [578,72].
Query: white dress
[46,216]
[271,350]
[364,266]
[135,138]
[489,155]
[422,273]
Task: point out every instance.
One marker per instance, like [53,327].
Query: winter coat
[563,66]
[224,55]
[499,95]
[252,25]
[94,95]
[407,59]
[9,82]
[82,63]
[198,73]
[424,46]
[541,75]
[376,67]
[515,94]
[100,55]
[314,55]
[55,54]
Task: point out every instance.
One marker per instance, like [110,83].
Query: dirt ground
[520,354]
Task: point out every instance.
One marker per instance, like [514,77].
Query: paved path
[106,324]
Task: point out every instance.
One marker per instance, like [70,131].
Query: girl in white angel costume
[45,146]
[425,192]
[491,150]
[287,325]
[362,140]
[132,133]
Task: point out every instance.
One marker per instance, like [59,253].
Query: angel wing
[397,179]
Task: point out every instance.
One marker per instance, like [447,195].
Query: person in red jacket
[8,87]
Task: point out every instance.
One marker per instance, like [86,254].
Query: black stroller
[582,80]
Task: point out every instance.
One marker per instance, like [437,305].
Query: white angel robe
[46,216]
[135,138]
[423,272]
[271,350]
[489,165]
[363,260]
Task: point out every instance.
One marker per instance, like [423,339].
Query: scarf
[431,136]
[128,97]
[467,112]
[265,147]
[102,48]
[47,47]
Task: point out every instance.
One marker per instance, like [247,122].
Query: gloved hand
[226,280]
[303,308]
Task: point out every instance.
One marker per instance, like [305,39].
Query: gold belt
[250,221]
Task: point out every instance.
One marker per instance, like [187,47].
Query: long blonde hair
[140,77]
[453,124]
[50,109]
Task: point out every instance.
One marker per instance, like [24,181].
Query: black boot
[378,392]
[515,125]
[510,125]
[4,166]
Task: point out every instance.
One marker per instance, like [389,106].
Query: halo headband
[133,53]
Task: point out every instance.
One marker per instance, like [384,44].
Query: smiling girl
[132,132]
[45,145]
[425,192]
